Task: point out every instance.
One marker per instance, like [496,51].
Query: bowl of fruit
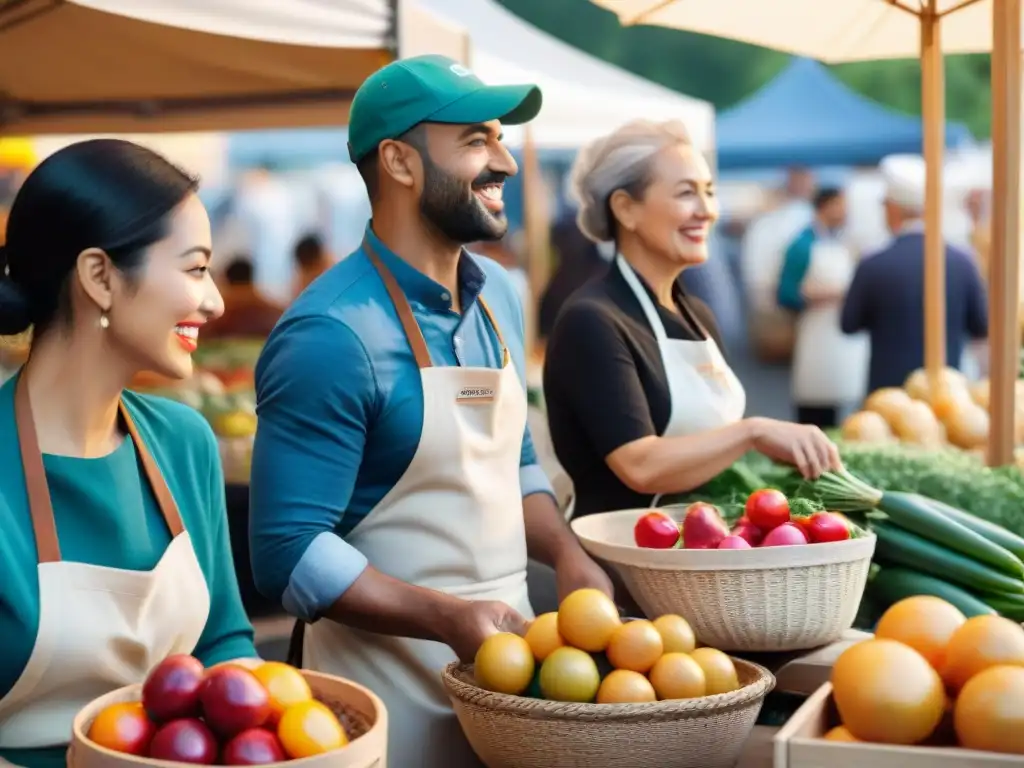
[585,687]
[782,577]
[230,714]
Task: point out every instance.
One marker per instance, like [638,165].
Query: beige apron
[704,392]
[454,523]
[100,628]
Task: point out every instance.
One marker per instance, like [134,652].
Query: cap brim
[511,104]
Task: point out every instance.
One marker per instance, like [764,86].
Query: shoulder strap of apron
[40,505]
[653,319]
[408,321]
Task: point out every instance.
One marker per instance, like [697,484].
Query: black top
[605,383]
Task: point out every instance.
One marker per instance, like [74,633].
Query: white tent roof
[584,97]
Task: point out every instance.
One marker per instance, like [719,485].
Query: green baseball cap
[432,89]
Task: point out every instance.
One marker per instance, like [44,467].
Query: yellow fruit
[719,671]
[676,633]
[982,642]
[308,729]
[623,686]
[504,663]
[678,676]
[569,674]
[887,692]
[285,684]
[587,618]
[635,646]
[542,635]
[989,712]
[840,733]
[925,623]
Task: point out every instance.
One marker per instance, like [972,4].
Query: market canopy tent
[807,116]
[102,66]
[584,97]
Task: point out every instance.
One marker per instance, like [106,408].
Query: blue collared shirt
[340,405]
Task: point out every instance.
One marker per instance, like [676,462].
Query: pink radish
[703,527]
[786,535]
[734,542]
[747,530]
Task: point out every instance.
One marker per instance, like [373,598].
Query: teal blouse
[106,515]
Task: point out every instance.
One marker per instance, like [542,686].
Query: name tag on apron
[713,372]
[475,396]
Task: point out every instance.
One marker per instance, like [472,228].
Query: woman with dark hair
[114,549]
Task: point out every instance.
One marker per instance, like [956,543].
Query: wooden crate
[799,744]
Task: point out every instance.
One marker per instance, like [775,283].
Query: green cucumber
[896,546]
[994,533]
[914,514]
[894,584]
[1010,606]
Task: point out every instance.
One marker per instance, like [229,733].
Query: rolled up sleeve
[316,392]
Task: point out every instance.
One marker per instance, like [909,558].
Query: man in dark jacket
[886,297]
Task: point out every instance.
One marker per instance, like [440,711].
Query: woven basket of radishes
[776,580]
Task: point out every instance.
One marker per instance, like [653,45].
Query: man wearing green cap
[395,490]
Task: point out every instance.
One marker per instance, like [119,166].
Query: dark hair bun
[15,309]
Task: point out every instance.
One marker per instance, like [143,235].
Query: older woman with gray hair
[641,401]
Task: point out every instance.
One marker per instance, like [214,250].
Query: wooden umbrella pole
[1004,266]
[933,115]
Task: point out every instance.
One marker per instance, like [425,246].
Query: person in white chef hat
[886,296]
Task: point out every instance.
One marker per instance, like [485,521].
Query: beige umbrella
[861,30]
[125,66]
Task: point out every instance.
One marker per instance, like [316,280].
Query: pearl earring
[104,321]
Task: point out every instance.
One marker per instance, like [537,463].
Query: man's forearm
[379,603]
[548,536]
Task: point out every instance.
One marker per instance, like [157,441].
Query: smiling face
[464,172]
[157,313]
[673,214]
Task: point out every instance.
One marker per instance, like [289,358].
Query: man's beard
[449,204]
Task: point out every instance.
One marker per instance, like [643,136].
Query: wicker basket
[360,711]
[517,732]
[764,599]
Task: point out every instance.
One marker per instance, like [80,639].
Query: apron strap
[405,316]
[409,324]
[39,502]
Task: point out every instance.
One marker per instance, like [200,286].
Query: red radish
[656,530]
[825,527]
[703,527]
[785,535]
[748,531]
[767,509]
[734,542]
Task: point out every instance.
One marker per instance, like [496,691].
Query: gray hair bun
[616,161]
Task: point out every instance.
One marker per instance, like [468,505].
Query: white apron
[830,368]
[704,392]
[453,522]
[100,628]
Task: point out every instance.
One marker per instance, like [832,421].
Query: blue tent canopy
[807,116]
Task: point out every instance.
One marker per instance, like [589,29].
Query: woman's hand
[804,446]
[471,622]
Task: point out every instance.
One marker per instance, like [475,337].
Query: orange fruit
[677,676]
[623,686]
[542,635]
[308,729]
[840,733]
[285,684]
[887,692]
[123,728]
[676,633]
[569,674]
[635,646]
[925,623]
[982,642]
[504,663]
[989,712]
[719,671]
[587,618]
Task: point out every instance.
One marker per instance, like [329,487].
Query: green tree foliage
[725,71]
